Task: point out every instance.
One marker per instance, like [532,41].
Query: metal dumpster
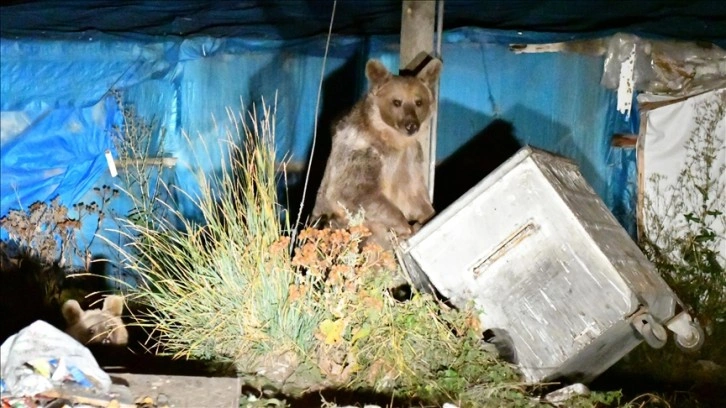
[549,267]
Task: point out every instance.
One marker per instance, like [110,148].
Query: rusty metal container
[549,269]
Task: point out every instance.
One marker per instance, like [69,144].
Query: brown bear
[376,161]
[96,326]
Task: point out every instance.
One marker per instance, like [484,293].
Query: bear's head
[96,326]
[403,102]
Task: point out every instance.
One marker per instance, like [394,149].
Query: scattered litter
[563,395]
[162,401]
[40,356]
[45,367]
[74,399]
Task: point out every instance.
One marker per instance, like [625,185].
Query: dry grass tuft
[323,317]
[220,289]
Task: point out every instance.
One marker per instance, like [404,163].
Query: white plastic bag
[41,341]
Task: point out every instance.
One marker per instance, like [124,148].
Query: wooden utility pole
[417,46]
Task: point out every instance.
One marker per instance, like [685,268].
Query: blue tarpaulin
[552,100]
[58,115]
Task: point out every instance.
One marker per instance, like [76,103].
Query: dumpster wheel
[687,332]
[693,340]
[653,332]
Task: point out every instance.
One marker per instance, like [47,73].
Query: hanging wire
[315,129]
[435,118]
[439,27]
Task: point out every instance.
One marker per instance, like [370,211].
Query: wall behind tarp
[57,115]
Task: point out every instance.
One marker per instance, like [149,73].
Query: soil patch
[183,391]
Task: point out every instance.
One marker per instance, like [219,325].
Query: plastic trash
[40,356]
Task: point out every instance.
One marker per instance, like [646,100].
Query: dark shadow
[25,283]
[341,90]
[544,132]
[346,397]
[119,381]
[695,392]
[480,154]
[502,341]
[144,353]
[31,290]
[306,18]
[120,360]
[473,161]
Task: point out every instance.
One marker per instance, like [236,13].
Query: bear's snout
[411,127]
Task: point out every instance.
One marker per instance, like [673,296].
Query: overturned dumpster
[553,275]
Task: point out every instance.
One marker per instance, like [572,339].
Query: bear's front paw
[403,231]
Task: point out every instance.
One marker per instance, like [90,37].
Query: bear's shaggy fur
[376,162]
[96,326]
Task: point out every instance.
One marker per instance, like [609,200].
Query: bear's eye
[397,103]
[419,102]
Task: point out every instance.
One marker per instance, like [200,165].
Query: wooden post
[417,32]
[417,43]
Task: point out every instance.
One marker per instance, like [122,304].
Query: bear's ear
[113,304]
[376,73]
[430,73]
[72,312]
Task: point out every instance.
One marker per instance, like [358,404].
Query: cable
[315,130]
[435,118]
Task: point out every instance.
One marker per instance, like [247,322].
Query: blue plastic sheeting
[552,100]
[288,19]
[56,125]
[59,119]
[623,174]
[76,72]
[61,153]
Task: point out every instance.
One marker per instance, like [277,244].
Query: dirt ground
[182,391]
